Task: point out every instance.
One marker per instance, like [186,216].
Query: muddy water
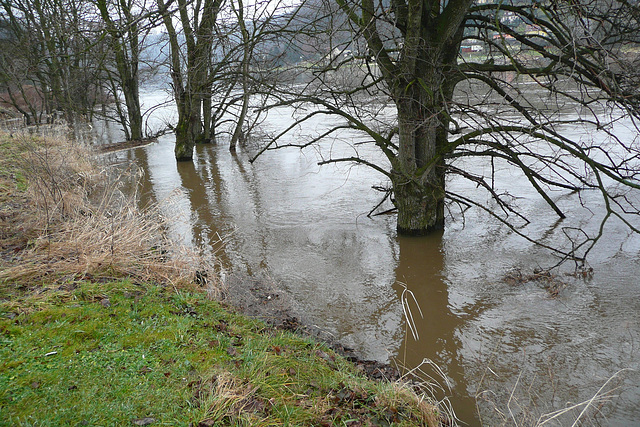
[511,352]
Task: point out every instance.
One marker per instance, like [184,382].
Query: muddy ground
[260,298]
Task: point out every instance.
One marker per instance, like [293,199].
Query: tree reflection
[419,268]
[195,179]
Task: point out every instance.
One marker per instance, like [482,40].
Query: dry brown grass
[77,221]
[228,398]
[403,394]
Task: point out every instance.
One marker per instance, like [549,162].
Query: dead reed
[534,400]
[84,222]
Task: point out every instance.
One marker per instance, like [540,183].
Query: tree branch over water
[474,90]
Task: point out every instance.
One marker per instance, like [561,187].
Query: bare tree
[122,28]
[250,31]
[216,57]
[14,68]
[55,45]
[458,76]
[190,68]
[247,53]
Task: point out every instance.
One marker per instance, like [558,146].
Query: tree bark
[418,173]
[420,205]
[421,83]
[184,141]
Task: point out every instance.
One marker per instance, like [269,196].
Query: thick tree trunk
[421,77]
[136,126]
[185,134]
[418,173]
[132,101]
[184,147]
[420,205]
[419,199]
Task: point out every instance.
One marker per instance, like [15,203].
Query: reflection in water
[295,227]
[419,270]
[204,234]
[305,228]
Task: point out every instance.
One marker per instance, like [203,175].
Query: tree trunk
[238,134]
[419,198]
[190,78]
[132,101]
[186,131]
[126,50]
[420,205]
[133,98]
[419,169]
[135,121]
[184,143]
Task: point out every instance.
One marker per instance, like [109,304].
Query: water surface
[512,347]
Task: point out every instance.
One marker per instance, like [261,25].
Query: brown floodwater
[510,352]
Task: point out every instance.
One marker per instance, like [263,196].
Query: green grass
[107,354]
[11,177]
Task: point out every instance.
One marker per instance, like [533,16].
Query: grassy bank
[103,321]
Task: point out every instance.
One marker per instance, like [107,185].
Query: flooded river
[508,346]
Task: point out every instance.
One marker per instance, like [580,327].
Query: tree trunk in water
[186,131]
[238,134]
[136,126]
[420,205]
[184,145]
[126,50]
[190,77]
[418,172]
[132,102]
[421,76]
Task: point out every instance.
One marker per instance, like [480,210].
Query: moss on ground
[119,353]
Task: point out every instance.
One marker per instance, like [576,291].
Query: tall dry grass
[85,222]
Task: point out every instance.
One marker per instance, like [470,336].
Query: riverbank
[103,320]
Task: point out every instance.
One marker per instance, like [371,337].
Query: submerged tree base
[420,207]
[183,153]
[409,232]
